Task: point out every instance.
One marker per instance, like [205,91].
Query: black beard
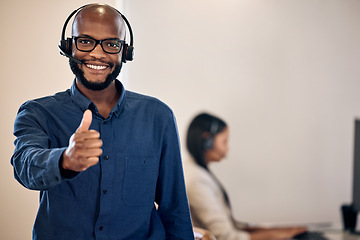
[79,74]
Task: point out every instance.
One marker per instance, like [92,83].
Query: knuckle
[100,152]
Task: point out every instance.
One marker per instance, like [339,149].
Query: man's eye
[84,41]
[114,45]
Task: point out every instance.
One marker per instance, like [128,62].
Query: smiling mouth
[96,67]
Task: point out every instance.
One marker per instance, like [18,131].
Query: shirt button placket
[106,176]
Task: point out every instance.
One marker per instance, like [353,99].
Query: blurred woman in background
[207,142]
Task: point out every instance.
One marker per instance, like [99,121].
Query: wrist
[65,172]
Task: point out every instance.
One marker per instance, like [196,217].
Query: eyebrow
[85,35]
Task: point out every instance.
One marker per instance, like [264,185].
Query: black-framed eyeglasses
[109,45]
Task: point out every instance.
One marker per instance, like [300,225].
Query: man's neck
[104,100]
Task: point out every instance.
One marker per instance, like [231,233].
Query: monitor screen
[356,168]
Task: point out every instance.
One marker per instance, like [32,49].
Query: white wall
[283,74]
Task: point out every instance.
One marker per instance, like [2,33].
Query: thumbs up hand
[84,147]
[85,122]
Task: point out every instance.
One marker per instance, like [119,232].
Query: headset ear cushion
[128,53]
[69,46]
[62,47]
[208,143]
[65,45]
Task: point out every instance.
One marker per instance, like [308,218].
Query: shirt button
[101,228]
[106,157]
[105,191]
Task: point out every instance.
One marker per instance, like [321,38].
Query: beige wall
[31,67]
[283,74]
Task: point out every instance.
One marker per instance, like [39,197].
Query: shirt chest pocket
[140,178]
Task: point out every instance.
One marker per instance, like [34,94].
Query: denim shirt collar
[84,103]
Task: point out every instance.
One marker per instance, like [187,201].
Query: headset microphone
[69,56]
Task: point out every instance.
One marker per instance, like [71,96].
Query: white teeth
[96,67]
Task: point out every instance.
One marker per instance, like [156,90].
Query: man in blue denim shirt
[101,156]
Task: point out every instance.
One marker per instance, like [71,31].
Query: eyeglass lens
[89,44]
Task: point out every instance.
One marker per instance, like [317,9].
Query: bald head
[105,16]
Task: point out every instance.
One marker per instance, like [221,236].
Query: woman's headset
[66,44]
[209,141]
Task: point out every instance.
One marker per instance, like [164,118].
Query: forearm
[36,156]
[37,169]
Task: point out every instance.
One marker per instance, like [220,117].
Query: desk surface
[330,230]
[340,235]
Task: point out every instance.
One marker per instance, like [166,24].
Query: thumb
[85,122]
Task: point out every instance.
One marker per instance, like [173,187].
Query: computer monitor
[350,212]
[356,168]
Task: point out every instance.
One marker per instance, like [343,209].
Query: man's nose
[98,51]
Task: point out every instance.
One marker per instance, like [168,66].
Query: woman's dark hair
[202,127]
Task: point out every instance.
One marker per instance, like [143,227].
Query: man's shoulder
[146,99]
[49,100]
[143,97]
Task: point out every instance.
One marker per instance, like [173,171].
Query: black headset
[66,44]
[209,141]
